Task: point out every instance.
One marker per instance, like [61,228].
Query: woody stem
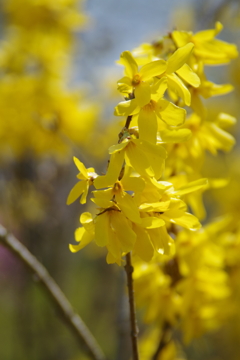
[133,321]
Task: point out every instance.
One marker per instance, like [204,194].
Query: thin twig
[134,329]
[56,295]
[165,340]
[128,121]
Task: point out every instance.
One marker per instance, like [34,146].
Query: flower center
[136,79]
[151,106]
[117,188]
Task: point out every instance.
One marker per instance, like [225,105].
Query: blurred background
[57,92]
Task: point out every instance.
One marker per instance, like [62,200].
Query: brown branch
[165,340]
[133,320]
[128,121]
[72,319]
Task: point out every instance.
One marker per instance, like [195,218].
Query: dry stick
[57,296]
[134,329]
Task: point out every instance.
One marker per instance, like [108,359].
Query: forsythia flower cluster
[137,201]
[154,172]
[33,60]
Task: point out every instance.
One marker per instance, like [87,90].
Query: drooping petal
[181,38]
[102,195]
[170,113]
[210,89]
[157,240]
[148,126]
[86,220]
[83,237]
[152,69]
[143,246]
[222,139]
[125,234]
[205,35]
[188,75]
[137,159]
[125,85]
[102,229]
[114,249]
[133,183]
[174,135]
[126,108]
[158,88]
[131,67]
[128,207]
[225,120]
[76,191]
[176,85]
[83,198]
[190,187]
[179,58]
[155,154]
[142,94]
[125,80]
[80,167]
[185,220]
[114,168]
[117,148]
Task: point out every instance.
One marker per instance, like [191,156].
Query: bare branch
[58,298]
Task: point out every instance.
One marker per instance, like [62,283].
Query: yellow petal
[185,220]
[125,80]
[176,85]
[225,120]
[152,69]
[210,89]
[126,108]
[137,159]
[102,229]
[83,237]
[128,207]
[159,238]
[143,247]
[190,187]
[117,148]
[135,184]
[76,191]
[155,154]
[151,222]
[114,249]
[148,126]
[174,135]
[188,75]
[131,67]
[80,167]
[158,88]
[205,35]
[159,206]
[223,140]
[125,234]
[83,198]
[170,113]
[114,168]
[103,194]
[179,58]
[181,38]
[142,94]
[86,220]
[102,203]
